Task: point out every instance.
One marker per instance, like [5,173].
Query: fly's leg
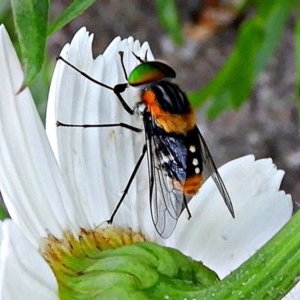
[186,207]
[123,125]
[117,89]
[128,183]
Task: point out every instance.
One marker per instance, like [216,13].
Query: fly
[175,148]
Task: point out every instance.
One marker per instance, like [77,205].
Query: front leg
[123,125]
[118,90]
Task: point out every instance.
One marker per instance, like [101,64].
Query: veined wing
[210,165]
[167,200]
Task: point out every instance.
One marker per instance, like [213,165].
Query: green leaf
[257,40]
[168,17]
[3,213]
[31,18]
[76,8]
[39,87]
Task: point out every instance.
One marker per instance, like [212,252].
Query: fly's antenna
[121,53]
[139,58]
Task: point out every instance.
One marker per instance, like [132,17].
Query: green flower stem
[269,274]
[145,270]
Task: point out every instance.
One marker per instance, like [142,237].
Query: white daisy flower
[60,196]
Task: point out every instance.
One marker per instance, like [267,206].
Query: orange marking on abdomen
[190,186]
[177,123]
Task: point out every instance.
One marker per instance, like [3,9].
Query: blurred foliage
[76,8]
[39,87]
[168,17]
[297,52]
[32,27]
[258,38]
[29,33]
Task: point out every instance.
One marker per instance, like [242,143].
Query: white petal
[24,274]
[98,161]
[221,242]
[30,180]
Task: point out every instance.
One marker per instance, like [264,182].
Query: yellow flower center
[75,259]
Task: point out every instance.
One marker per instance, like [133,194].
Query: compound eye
[148,72]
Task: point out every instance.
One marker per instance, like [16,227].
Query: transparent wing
[210,165]
[166,202]
[168,165]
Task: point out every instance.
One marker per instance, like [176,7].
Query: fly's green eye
[148,72]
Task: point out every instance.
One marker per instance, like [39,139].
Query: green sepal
[139,271]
